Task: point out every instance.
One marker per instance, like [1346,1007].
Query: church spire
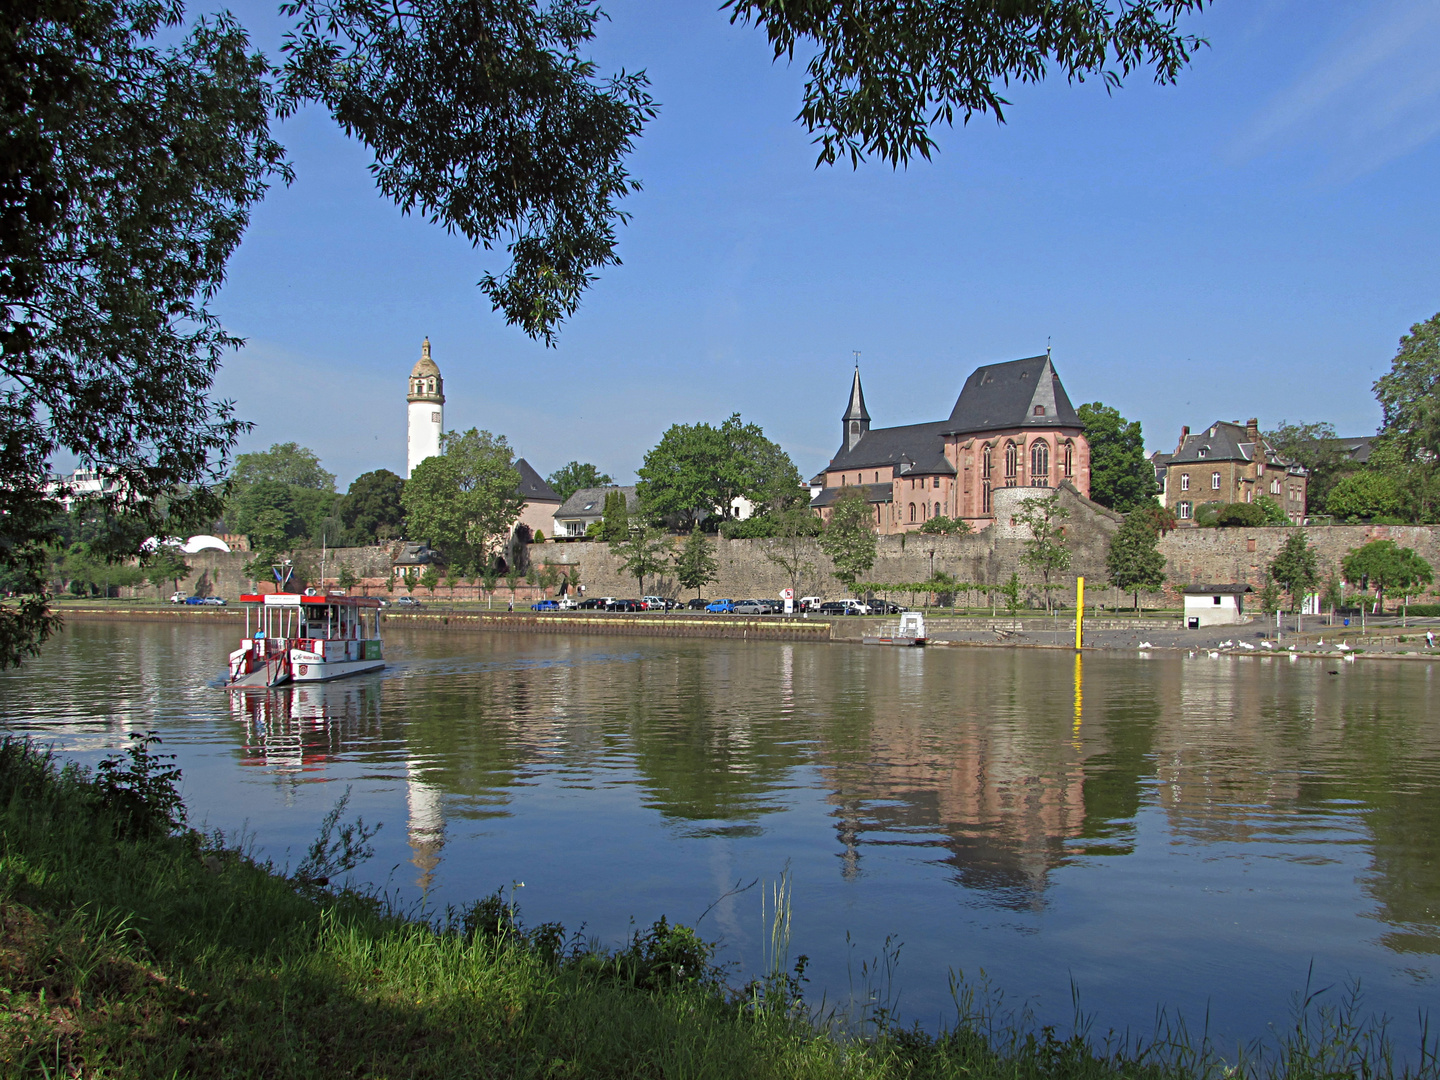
[856,421]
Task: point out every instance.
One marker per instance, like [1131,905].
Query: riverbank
[131,947]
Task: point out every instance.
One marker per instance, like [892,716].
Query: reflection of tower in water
[425,824]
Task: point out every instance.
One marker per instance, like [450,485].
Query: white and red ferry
[290,637]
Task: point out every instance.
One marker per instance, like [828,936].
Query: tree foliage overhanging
[1121,476]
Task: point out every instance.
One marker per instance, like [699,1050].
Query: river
[1167,832]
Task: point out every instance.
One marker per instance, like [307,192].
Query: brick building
[1228,463]
[1012,426]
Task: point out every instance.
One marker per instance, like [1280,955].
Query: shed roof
[1212,590]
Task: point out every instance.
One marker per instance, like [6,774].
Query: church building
[1012,426]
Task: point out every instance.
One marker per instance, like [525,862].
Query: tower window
[1039,410]
[435,418]
[1215,481]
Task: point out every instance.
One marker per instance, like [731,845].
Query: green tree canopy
[1047,549]
[1367,495]
[940,525]
[644,553]
[1133,561]
[1121,476]
[615,522]
[464,500]
[1295,568]
[695,564]
[698,470]
[1409,394]
[849,536]
[1316,448]
[373,508]
[284,463]
[575,475]
[1384,566]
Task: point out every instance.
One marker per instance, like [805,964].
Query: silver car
[750,607]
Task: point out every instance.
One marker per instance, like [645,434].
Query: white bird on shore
[1145,645]
[1247,645]
[1266,645]
[1227,644]
[1214,655]
[1343,647]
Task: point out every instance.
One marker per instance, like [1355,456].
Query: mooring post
[1079,612]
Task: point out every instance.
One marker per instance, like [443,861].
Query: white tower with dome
[427,410]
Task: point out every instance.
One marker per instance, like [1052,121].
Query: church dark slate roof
[532,487]
[1006,395]
[916,448]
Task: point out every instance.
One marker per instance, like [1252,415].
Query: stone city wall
[1192,556]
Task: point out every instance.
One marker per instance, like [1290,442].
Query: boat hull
[308,671]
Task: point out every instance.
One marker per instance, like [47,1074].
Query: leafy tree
[1334,596]
[430,579]
[647,551]
[615,522]
[698,471]
[1316,448]
[165,565]
[346,579]
[1270,598]
[1412,574]
[1161,519]
[1409,394]
[1046,551]
[1207,514]
[1011,591]
[849,536]
[1121,476]
[1263,511]
[284,463]
[940,525]
[792,547]
[1274,512]
[373,508]
[266,514]
[1367,495]
[1295,569]
[1384,564]
[463,500]
[879,80]
[576,475]
[1134,561]
[695,564]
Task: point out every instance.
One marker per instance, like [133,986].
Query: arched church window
[985,497]
[912,512]
[985,461]
[1068,460]
[937,509]
[1012,464]
[1040,464]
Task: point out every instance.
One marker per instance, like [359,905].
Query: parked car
[407,601]
[843,607]
[177,598]
[566,604]
[656,603]
[592,604]
[626,605]
[809,603]
[545,605]
[748,607]
[196,600]
[886,607]
[214,601]
[698,604]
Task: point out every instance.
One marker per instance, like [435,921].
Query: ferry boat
[290,637]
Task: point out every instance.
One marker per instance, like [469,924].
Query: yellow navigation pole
[1079,612]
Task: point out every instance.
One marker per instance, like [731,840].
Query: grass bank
[131,946]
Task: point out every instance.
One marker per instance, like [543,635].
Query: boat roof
[296,599]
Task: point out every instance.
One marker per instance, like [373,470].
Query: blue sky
[1251,242]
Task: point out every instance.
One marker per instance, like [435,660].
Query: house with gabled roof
[1229,462]
[587,506]
[1012,426]
[541,500]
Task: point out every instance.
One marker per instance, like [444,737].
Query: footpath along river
[1172,832]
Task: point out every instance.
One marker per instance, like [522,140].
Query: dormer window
[1039,410]
[1204,451]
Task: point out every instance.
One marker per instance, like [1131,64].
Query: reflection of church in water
[295,732]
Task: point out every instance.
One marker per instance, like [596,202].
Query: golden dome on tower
[425,381]
[424,366]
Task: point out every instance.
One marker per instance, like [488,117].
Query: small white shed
[1215,605]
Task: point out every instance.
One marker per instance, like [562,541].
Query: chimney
[1252,429]
[1184,434]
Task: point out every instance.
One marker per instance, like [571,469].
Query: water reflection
[1035,813]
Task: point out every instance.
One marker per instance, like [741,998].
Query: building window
[877,478]
[937,509]
[1185,481]
[985,497]
[1068,460]
[1039,410]
[1012,464]
[1040,464]
[912,512]
[1249,494]
[1274,487]
[1204,451]
[985,462]
[1214,481]
[1216,599]
[1184,511]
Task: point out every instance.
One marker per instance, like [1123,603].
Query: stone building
[587,506]
[1228,463]
[1012,426]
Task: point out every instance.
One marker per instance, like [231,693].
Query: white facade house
[427,410]
[1215,605]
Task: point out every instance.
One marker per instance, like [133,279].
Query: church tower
[856,421]
[427,410]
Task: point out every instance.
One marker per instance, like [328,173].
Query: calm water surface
[1185,833]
